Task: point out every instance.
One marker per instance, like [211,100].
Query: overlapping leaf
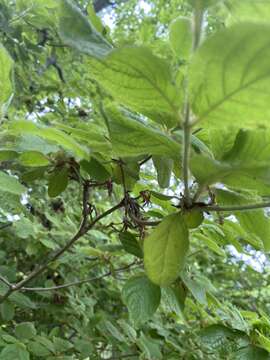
[230,83]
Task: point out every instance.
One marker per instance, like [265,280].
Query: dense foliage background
[134,179]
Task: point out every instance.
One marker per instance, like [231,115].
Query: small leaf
[196,287]
[130,244]
[7,310]
[6,64]
[164,168]
[95,169]
[76,30]
[254,222]
[58,182]
[181,37]
[142,298]
[10,184]
[25,331]
[33,158]
[165,250]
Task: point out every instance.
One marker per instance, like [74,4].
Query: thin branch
[83,229]
[78,282]
[4,226]
[5,281]
[236,207]
[144,222]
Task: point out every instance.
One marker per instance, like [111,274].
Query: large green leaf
[248,10]
[6,64]
[245,165]
[132,137]
[25,330]
[165,250]
[76,31]
[10,184]
[230,83]
[255,222]
[138,79]
[142,298]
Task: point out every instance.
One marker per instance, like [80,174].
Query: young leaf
[254,221]
[142,298]
[140,80]
[33,159]
[7,310]
[181,37]
[25,331]
[165,250]
[76,30]
[130,244]
[6,64]
[10,184]
[231,83]
[95,169]
[58,182]
[164,168]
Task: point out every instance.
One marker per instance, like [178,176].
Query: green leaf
[150,347]
[181,37]
[140,80]
[196,287]
[33,159]
[50,134]
[211,244]
[165,250]
[10,184]
[142,298]
[38,349]
[14,351]
[25,331]
[22,301]
[132,137]
[251,353]
[130,244]
[231,83]
[164,168]
[6,65]
[95,169]
[255,222]
[248,10]
[76,30]
[58,182]
[245,165]
[7,310]
[8,155]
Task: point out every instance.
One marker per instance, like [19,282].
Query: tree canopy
[134,180]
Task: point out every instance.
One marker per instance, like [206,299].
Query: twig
[144,222]
[235,207]
[83,229]
[79,282]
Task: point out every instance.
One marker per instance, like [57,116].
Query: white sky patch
[145,6]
